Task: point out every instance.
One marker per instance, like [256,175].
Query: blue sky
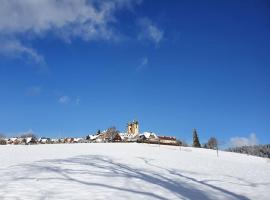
[69,68]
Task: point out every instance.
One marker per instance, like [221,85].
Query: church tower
[133,128]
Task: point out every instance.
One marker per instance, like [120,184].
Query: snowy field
[130,171]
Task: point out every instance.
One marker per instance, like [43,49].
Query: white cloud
[149,31]
[243,141]
[33,91]
[14,48]
[67,19]
[144,63]
[64,99]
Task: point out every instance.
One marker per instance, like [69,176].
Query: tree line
[256,150]
[212,143]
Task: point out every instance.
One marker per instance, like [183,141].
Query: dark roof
[166,138]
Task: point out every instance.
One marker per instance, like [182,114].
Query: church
[133,128]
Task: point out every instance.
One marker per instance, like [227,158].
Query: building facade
[133,128]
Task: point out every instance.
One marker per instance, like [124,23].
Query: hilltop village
[132,134]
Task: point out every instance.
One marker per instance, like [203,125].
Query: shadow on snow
[80,169]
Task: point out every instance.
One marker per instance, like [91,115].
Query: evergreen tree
[196,142]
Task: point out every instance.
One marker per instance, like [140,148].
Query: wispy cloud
[66,19]
[143,64]
[244,141]
[33,91]
[64,100]
[77,101]
[14,48]
[149,31]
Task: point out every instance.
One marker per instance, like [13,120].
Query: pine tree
[196,142]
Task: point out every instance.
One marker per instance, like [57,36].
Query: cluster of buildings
[43,140]
[109,135]
[132,135]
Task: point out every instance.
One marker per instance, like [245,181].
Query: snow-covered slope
[130,171]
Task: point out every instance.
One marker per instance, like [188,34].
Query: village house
[78,140]
[12,140]
[117,138]
[167,140]
[109,135]
[68,140]
[21,140]
[55,141]
[103,137]
[152,138]
[148,137]
[91,137]
[98,137]
[44,140]
[30,140]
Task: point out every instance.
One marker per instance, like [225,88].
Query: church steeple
[133,127]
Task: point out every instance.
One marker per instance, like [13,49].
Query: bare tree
[111,133]
[212,143]
[32,135]
[184,143]
[2,139]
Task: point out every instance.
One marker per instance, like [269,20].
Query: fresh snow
[28,139]
[129,171]
[148,134]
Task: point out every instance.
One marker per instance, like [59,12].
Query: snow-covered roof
[167,138]
[93,137]
[149,134]
[28,139]
[77,139]
[13,139]
[43,139]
